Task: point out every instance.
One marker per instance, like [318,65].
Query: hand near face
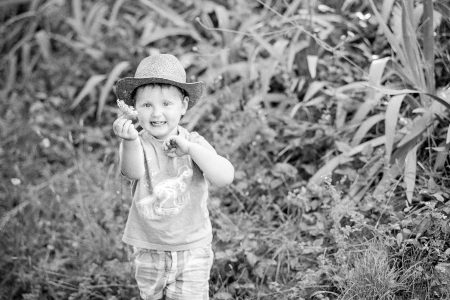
[124,128]
[176,146]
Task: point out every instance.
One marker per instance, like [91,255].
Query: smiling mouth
[158,123]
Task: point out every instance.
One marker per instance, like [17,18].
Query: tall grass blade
[313,89]
[96,18]
[12,74]
[441,156]
[161,34]
[167,13]
[410,172]
[90,85]
[113,76]
[375,142]
[386,10]
[312,65]
[223,18]
[14,2]
[343,158]
[115,10]
[411,46]
[12,213]
[25,59]
[327,169]
[265,44]
[418,127]
[428,43]
[44,44]
[392,112]
[392,39]
[77,21]
[376,71]
[364,128]
[389,91]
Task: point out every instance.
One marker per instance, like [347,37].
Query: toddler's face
[160,109]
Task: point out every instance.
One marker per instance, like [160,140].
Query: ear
[185,103]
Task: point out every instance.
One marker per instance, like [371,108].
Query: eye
[147,105]
[167,103]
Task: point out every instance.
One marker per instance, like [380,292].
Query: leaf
[386,10]
[428,44]
[77,21]
[12,74]
[162,34]
[313,88]
[413,62]
[312,64]
[265,44]
[328,168]
[392,112]
[419,125]
[343,147]
[378,141]
[252,259]
[441,157]
[376,70]
[410,172]
[389,91]
[284,169]
[113,76]
[44,44]
[113,16]
[90,85]
[364,128]
[167,12]
[392,39]
[96,18]
[4,3]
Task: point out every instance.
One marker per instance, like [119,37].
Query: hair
[133,94]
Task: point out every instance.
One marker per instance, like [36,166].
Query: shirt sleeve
[194,137]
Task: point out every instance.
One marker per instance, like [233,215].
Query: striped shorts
[173,275]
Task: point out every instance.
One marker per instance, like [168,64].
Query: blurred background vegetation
[333,112]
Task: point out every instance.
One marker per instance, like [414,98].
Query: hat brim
[126,86]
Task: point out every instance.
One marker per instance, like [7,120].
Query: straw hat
[159,68]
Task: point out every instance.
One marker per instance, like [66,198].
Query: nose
[157,111]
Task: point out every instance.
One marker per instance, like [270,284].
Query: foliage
[334,113]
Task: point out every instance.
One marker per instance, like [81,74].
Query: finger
[168,143]
[131,130]
[126,126]
[119,123]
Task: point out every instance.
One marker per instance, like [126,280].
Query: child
[168,223]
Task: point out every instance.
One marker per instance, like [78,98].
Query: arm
[217,169]
[130,151]
[132,159]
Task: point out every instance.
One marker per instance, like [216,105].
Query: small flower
[128,111]
[45,143]
[15,181]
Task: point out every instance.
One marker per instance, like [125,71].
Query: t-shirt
[169,208]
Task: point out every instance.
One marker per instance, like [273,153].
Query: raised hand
[176,146]
[124,128]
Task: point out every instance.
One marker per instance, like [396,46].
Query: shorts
[173,275]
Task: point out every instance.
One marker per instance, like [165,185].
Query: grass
[288,105]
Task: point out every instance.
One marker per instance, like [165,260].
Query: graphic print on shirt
[169,196]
